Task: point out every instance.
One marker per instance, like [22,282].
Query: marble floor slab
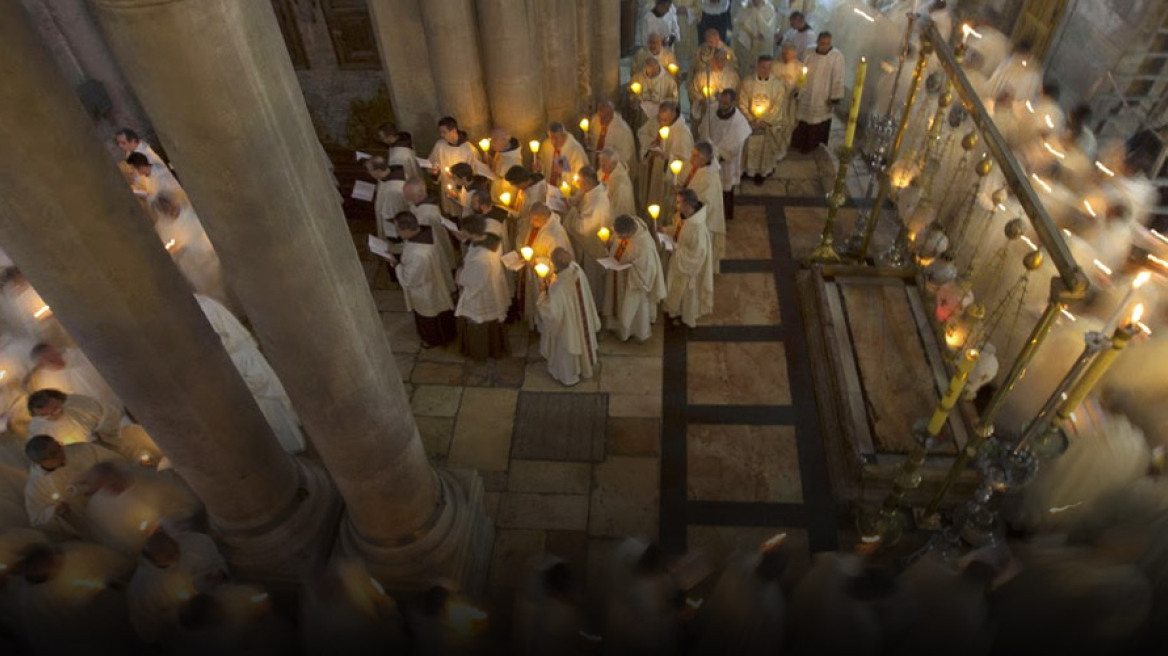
[743,463]
[743,299]
[482,434]
[625,497]
[729,373]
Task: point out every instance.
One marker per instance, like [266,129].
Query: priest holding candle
[727,130]
[560,156]
[632,295]
[568,322]
[52,495]
[543,234]
[663,140]
[763,100]
[823,91]
[704,177]
[690,279]
[655,48]
[609,130]
[591,215]
[452,148]
[615,176]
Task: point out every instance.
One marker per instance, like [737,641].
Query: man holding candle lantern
[763,100]
[632,295]
[560,156]
[568,322]
[704,178]
[542,233]
[592,214]
[664,140]
[690,280]
[823,91]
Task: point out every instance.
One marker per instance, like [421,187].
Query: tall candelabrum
[825,253]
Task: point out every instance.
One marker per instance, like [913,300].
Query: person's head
[720,60]
[562,259]
[540,213]
[608,159]
[104,476]
[652,67]
[712,38]
[139,162]
[40,563]
[756,3]
[407,225]
[798,21]
[624,226]
[703,154]
[789,54]
[462,173]
[47,403]
[481,202]
[662,6]
[762,67]
[823,41]
[656,43]
[475,225]
[45,452]
[605,111]
[557,135]
[448,130]
[378,168]
[414,191]
[727,98]
[166,206]
[687,201]
[500,139]
[387,134]
[668,112]
[589,180]
[404,140]
[518,177]
[48,356]
[160,549]
[127,140]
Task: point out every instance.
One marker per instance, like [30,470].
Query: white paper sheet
[449,225]
[424,164]
[612,265]
[362,156]
[363,190]
[667,242]
[483,170]
[513,261]
[380,248]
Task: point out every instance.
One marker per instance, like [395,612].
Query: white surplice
[388,203]
[754,33]
[632,295]
[690,280]
[80,377]
[657,89]
[568,326]
[706,182]
[620,190]
[156,594]
[44,490]
[406,158]
[802,41]
[616,135]
[542,242]
[593,213]
[429,214]
[425,279]
[261,379]
[825,81]
[444,156]
[125,520]
[83,419]
[728,136]
[665,57]
[485,295]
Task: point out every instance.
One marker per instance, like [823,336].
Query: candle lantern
[527,253]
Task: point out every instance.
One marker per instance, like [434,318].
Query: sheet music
[667,242]
[380,248]
[363,190]
[513,261]
[612,265]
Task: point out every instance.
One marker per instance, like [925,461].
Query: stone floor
[704,439]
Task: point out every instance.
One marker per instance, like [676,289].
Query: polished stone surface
[743,299]
[565,512]
[550,477]
[747,236]
[482,435]
[633,436]
[727,373]
[743,463]
[516,553]
[625,497]
[630,375]
[436,400]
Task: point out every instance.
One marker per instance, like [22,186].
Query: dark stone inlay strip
[736,334]
[742,415]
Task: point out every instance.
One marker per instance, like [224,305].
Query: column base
[456,549]
[288,548]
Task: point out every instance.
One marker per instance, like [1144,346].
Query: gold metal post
[1119,341]
[825,252]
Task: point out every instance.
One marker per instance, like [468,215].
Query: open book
[667,241]
[380,248]
[612,265]
[363,190]
[513,261]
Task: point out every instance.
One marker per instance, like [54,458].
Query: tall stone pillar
[245,144]
[453,43]
[401,40]
[585,26]
[514,73]
[606,49]
[71,224]
[556,22]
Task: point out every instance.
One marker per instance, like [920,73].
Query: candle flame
[1141,278]
[3,373]
[1050,149]
[603,233]
[1102,267]
[1153,258]
[1159,236]
[864,15]
[1029,243]
[42,313]
[774,541]
[142,526]
[170,245]
[804,70]
[758,110]
[968,31]
[672,68]
[676,166]
[485,144]
[505,197]
[585,124]
[1099,165]
[1049,123]
[542,270]
[663,132]
[1029,107]
[1001,206]
[145,457]
[1068,315]
[533,145]
[1066,233]
[1042,183]
[565,188]
[527,253]
[55,496]
[1090,209]
[1143,327]
[654,211]
[1063,509]
[1137,313]
[635,87]
[707,91]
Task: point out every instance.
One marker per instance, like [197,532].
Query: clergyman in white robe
[614,174]
[608,129]
[173,569]
[427,283]
[484,295]
[568,323]
[823,89]
[705,179]
[690,279]
[560,156]
[452,148]
[658,152]
[543,234]
[763,99]
[754,34]
[182,235]
[127,503]
[265,386]
[727,130]
[592,213]
[68,370]
[632,295]
[53,496]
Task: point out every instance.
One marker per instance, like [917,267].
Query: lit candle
[774,541]
[857,94]
[144,459]
[654,211]
[635,87]
[676,166]
[603,233]
[55,496]
[863,14]
[485,144]
[803,77]
[707,91]
[542,270]
[527,253]
[565,188]
[1141,278]
[534,146]
[170,245]
[758,111]
[43,312]
[1089,208]
[585,124]
[1109,172]
[663,132]
[505,198]
[672,68]
[1050,149]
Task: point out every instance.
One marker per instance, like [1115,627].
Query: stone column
[585,25]
[401,39]
[514,78]
[71,224]
[606,49]
[556,23]
[247,150]
[453,42]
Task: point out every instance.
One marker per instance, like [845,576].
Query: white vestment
[754,34]
[690,282]
[192,252]
[430,215]
[728,136]
[825,81]
[265,386]
[485,295]
[45,490]
[658,89]
[706,182]
[425,280]
[124,521]
[665,58]
[390,201]
[616,135]
[568,326]
[148,151]
[803,42]
[445,156]
[703,92]
[666,26]
[406,158]
[561,164]
[593,213]
[632,295]
[542,242]
[620,190]
[657,154]
[157,594]
[766,103]
[79,376]
[83,419]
